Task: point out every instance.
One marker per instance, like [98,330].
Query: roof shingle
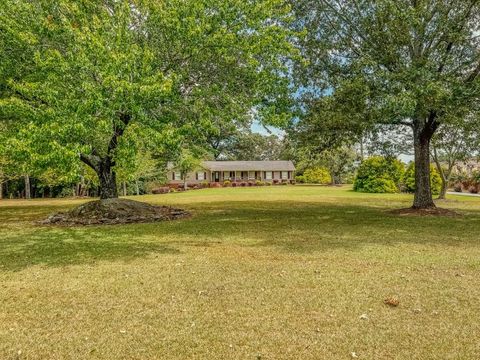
[249,165]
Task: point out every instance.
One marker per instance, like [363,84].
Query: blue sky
[260,129]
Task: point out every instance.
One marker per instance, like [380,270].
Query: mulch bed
[114,211]
[424,212]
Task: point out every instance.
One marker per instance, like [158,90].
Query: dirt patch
[424,212]
[114,211]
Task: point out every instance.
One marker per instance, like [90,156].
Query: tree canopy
[91,72]
[412,63]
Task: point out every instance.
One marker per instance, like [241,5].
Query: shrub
[275,182]
[457,187]
[259,183]
[380,185]
[473,189]
[227,183]
[243,184]
[293,182]
[161,190]
[251,183]
[300,179]
[379,175]
[409,179]
[234,184]
[215,185]
[268,183]
[284,182]
[317,175]
[205,184]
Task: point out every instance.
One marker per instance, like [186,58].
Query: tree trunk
[443,176]
[124,188]
[108,179]
[422,134]
[1,188]
[104,165]
[27,187]
[137,188]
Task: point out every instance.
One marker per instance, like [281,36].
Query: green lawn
[256,273]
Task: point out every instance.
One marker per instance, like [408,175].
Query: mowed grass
[256,273]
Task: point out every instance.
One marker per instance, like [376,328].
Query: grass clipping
[114,211]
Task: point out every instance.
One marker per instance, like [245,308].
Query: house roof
[249,165]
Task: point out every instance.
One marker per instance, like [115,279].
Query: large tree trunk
[108,179]
[27,187]
[104,165]
[422,134]
[1,188]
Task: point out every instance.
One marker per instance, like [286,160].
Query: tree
[103,69]
[186,162]
[451,144]
[412,63]
[248,145]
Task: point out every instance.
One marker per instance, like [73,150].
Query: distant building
[235,171]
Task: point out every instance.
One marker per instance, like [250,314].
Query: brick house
[235,171]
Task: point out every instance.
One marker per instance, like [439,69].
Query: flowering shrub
[227,183]
[234,184]
[259,183]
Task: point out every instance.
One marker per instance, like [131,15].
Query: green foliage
[370,63]
[409,179]
[89,78]
[317,175]
[379,175]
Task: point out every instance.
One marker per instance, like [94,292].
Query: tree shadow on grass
[309,227]
[60,247]
[302,227]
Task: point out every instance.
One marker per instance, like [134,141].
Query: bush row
[180,187]
[466,182]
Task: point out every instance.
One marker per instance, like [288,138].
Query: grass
[256,273]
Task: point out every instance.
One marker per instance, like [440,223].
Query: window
[177,175]
[268,175]
[226,175]
[200,175]
[284,175]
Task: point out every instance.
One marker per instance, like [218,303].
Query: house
[235,171]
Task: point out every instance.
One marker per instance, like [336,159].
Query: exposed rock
[114,211]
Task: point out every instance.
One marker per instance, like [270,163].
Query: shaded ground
[258,273]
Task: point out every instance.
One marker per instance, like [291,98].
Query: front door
[216,176]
